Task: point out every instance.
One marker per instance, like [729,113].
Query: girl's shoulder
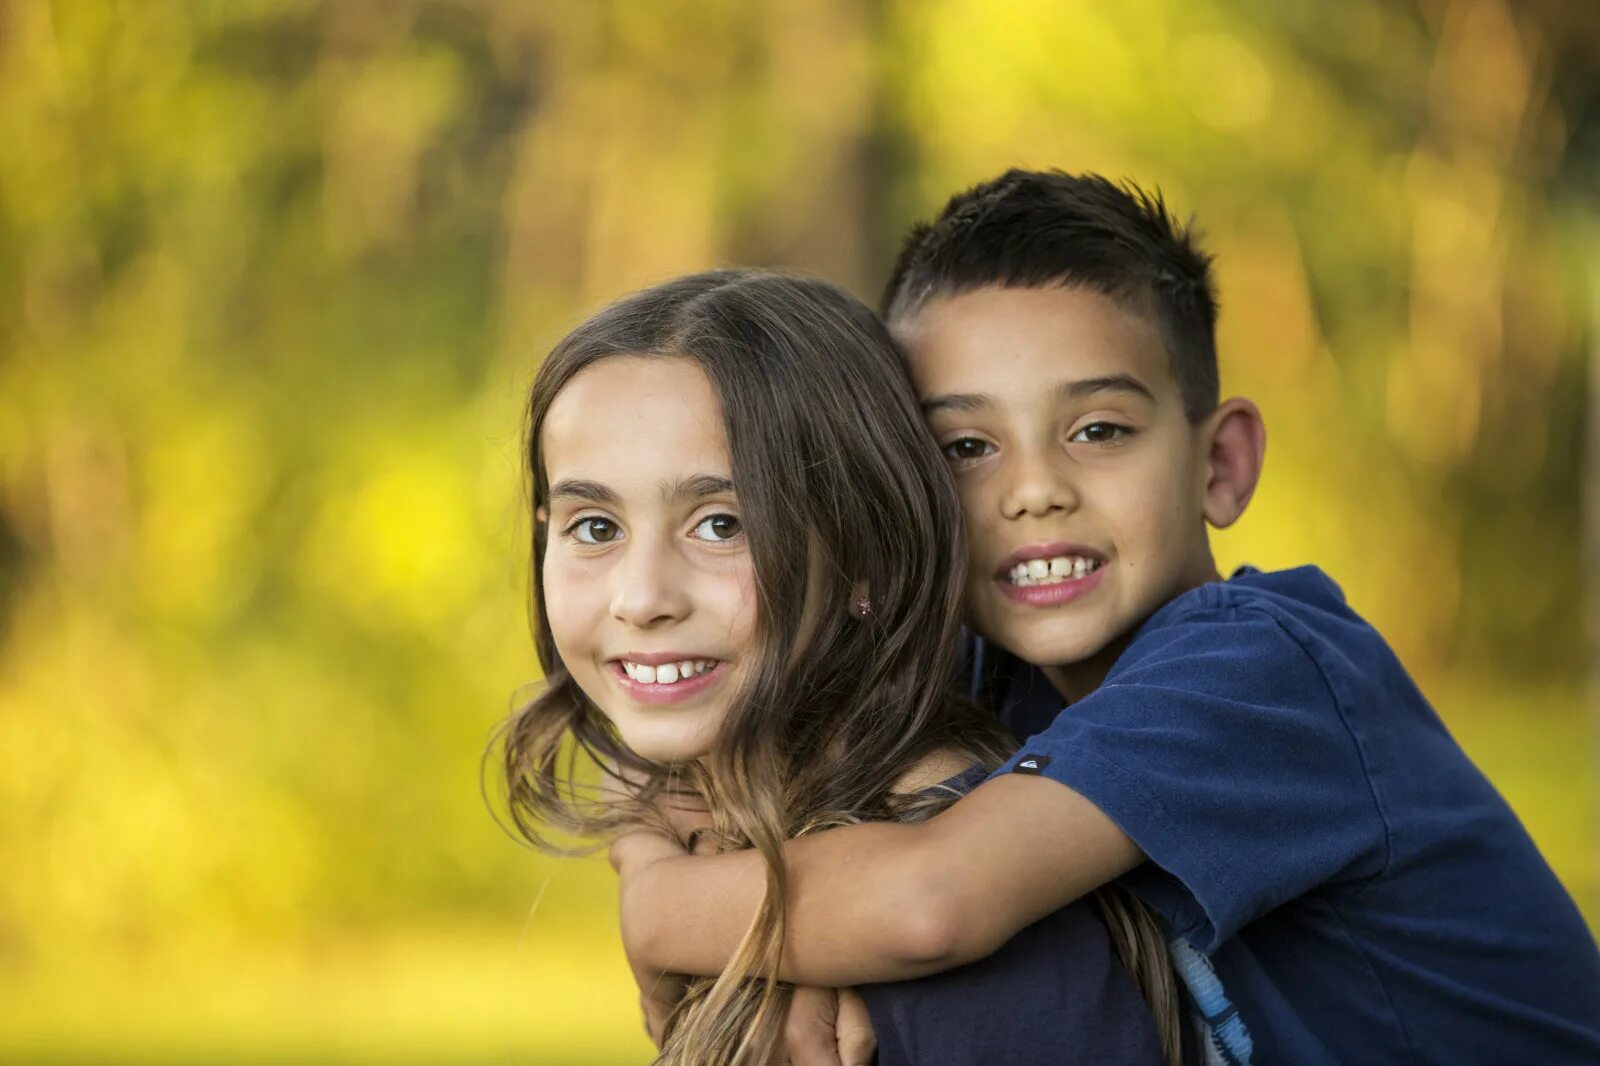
[944,769]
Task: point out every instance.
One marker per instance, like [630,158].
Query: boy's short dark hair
[1031,228]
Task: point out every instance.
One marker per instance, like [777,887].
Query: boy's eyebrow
[956,401]
[1077,390]
[1068,390]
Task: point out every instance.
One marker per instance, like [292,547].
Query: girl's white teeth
[667,673]
[1052,571]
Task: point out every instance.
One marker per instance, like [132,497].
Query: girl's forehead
[635,420]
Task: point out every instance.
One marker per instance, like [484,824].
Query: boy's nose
[1036,487]
[648,588]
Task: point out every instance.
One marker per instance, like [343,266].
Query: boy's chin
[1052,643]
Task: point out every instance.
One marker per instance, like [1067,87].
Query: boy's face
[1082,479]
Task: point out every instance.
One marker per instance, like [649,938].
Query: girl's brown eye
[594,530]
[965,449]
[718,528]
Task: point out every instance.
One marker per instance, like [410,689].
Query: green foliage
[273,279]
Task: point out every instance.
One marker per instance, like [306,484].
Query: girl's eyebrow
[697,486]
[583,491]
[694,487]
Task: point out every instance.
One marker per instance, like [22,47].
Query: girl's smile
[668,678]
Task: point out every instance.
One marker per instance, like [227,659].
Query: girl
[747,565]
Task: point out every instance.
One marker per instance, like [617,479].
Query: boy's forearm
[853,909]
[885,902]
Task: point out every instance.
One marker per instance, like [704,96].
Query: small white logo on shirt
[1032,764]
[1029,764]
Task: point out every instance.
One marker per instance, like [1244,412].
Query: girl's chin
[662,749]
[669,755]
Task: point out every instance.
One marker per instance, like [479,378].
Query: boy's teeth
[667,673]
[1052,571]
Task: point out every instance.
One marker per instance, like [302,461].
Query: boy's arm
[883,901]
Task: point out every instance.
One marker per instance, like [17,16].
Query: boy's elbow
[937,924]
[926,931]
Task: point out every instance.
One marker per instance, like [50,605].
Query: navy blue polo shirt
[1055,993]
[1352,888]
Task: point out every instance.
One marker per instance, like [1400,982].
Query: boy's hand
[658,992]
[827,1027]
[658,995]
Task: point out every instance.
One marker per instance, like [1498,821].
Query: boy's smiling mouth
[1047,575]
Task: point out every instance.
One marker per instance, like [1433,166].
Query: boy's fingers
[857,1041]
[808,1031]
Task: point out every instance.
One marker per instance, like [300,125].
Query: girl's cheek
[573,593]
[736,603]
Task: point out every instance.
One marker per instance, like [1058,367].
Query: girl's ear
[860,600]
[541,515]
[1235,441]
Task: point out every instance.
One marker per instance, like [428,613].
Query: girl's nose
[648,587]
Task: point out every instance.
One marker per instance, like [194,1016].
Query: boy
[1341,884]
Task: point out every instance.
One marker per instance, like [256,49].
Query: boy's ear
[1235,439]
[541,515]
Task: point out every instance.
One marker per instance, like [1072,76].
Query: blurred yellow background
[275,274]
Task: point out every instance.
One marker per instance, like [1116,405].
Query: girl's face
[648,584]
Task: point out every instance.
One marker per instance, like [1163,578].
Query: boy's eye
[594,531]
[1100,433]
[966,449]
[718,528]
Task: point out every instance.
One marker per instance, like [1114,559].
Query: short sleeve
[1218,746]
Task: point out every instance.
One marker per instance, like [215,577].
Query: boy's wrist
[637,857]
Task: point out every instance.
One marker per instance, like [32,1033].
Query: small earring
[862,607]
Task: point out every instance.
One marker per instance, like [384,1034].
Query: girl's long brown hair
[841,490]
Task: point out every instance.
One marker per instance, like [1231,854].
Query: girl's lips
[673,693]
[1055,594]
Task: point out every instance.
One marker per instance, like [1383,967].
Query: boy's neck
[1076,680]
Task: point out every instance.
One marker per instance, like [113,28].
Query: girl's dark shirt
[1055,993]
